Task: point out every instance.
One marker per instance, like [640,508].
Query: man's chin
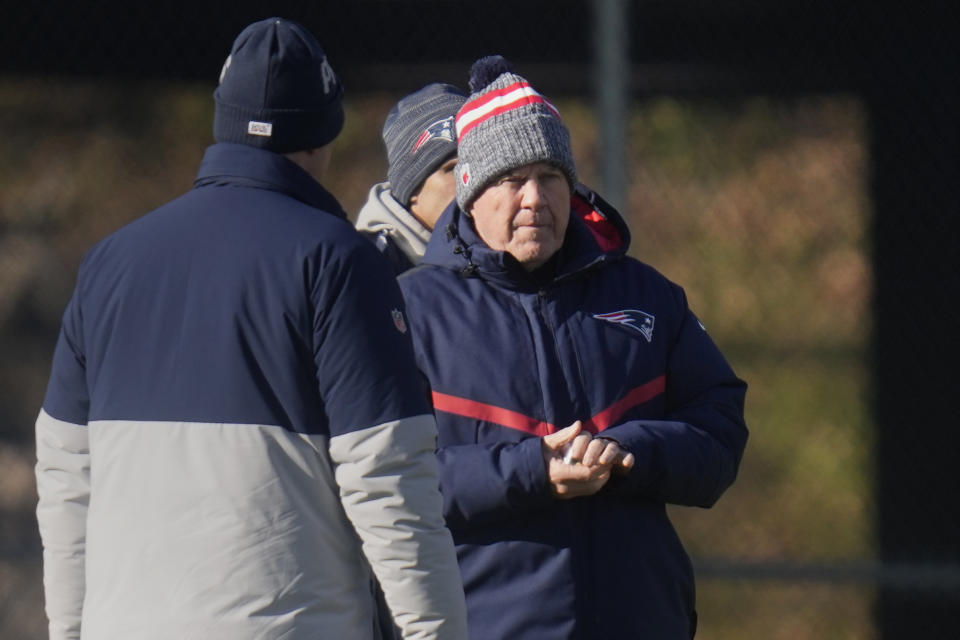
[532,257]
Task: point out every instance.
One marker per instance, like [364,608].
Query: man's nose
[531,194]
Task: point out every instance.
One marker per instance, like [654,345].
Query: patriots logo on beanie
[440,130]
[506,124]
[419,136]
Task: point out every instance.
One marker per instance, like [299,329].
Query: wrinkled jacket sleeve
[486,483]
[692,455]
[382,444]
[63,480]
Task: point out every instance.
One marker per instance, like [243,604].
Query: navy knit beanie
[419,136]
[277,91]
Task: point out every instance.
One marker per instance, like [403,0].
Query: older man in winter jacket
[575,392]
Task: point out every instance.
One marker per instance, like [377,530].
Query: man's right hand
[589,461]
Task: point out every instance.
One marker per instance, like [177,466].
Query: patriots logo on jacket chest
[640,321]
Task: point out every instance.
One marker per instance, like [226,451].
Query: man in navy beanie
[234,431]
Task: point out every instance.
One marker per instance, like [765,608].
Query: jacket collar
[381,213]
[238,164]
[596,234]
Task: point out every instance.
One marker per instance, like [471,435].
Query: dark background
[901,59]
[788,45]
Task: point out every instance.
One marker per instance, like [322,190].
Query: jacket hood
[383,214]
[227,163]
[596,234]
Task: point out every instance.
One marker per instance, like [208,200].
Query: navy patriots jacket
[234,432]
[510,356]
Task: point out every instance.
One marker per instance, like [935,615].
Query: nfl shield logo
[398,320]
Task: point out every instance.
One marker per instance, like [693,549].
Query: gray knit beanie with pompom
[505,124]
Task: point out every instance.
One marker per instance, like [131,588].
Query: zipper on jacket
[573,376]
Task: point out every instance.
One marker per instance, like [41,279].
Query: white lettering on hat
[329,77]
[264,129]
[226,65]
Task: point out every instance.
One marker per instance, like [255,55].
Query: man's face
[525,213]
[433,196]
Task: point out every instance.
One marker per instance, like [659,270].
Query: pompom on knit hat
[505,124]
[277,91]
[419,135]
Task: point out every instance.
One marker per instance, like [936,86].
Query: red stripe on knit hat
[497,101]
[494,94]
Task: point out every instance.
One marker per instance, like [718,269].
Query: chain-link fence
[761,203]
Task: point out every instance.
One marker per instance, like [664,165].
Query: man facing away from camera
[419,135]
[224,451]
[575,392]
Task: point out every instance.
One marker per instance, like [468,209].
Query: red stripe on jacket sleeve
[635,397]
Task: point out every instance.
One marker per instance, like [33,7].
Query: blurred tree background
[753,184]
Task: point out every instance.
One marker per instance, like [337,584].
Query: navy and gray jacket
[510,356]
[234,430]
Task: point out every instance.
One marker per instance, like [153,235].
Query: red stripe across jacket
[515,420]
